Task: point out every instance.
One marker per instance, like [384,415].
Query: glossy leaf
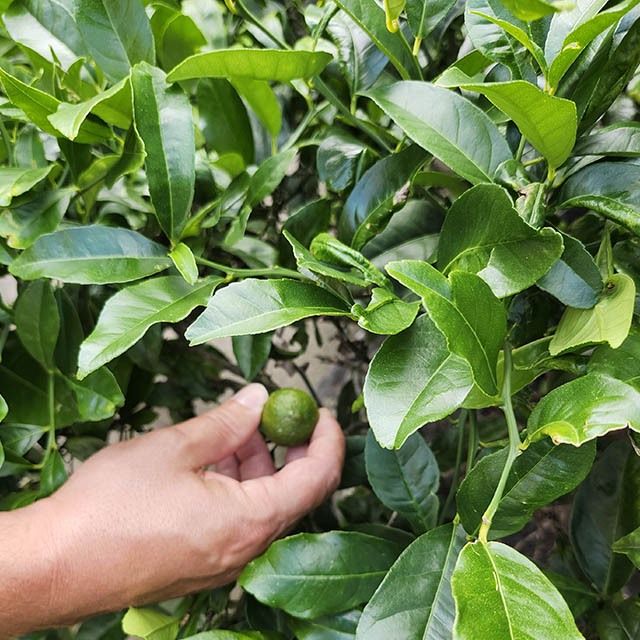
[117,33]
[393,9]
[425,15]
[371,203]
[256,64]
[549,123]
[386,314]
[370,17]
[252,352]
[501,594]
[470,143]
[574,279]
[112,105]
[311,575]
[414,600]
[164,122]
[97,396]
[37,321]
[150,625]
[576,593]
[263,101]
[405,480]
[339,159]
[3,409]
[484,234]
[576,41]
[542,473]
[46,27]
[605,509]
[15,181]
[608,321]
[621,622]
[584,409]
[91,255]
[606,187]
[339,627]
[129,314]
[185,262]
[257,306]
[27,220]
[622,363]
[630,546]
[620,139]
[412,380]
[465,310]
[53,474]
[360,59]
[38,106]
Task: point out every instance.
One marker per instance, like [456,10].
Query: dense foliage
[451,186]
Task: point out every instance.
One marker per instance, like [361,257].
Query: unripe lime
[289,417]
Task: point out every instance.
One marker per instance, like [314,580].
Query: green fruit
[289,417]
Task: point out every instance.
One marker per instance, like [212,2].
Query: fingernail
[253,396]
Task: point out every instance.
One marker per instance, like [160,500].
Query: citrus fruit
[289,417]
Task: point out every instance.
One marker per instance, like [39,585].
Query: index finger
[304,483]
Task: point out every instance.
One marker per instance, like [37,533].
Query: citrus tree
[453,188]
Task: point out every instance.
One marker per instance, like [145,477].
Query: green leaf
[547,122]
[622,363]
[129,314]
[386,314]
[38,106]
[381,189]
[465,310]
[91,255]
[630,546]
[97,395]
[224,120]
[502,595]
[53,474]
[256,306]
[150,625]
[117,33]
[608,321]
[37,321]
[112,105]
[339,627]
[414,600]
[574,279]
[256,64]
[312,575]
[221,634]
[392,10]
[405,480]
[576,40]
[606,508]
[252,353]
[542,473]
[532,9]
[577,594]
[263,101]
[164,121]
[371,18]
[339,160]
[486,33]
[425,15]
[619,139]
[20,438]
[413,379]
[468,143]
[606,187]
[15,181]
[584,409]
[484,234]
[304,225]
[4,409]
[46,27]
[185,262]
[360,60]
[621,622]
[34,216]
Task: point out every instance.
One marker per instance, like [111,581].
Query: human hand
[141,521]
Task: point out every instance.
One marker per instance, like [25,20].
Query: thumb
[217,434]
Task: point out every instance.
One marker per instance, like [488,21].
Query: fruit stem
[514,445]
